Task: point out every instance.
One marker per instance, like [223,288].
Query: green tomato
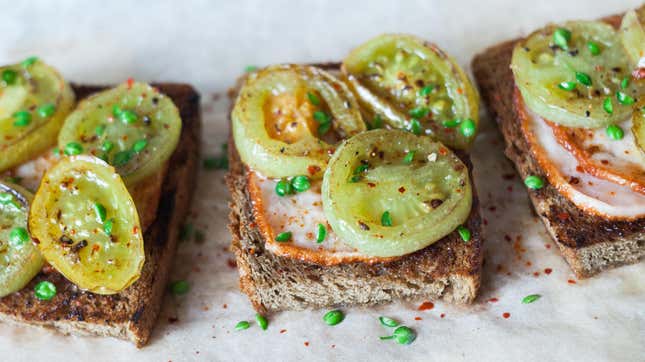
[20,260]
[103,255]
[33,107]
[425,200]
[413,85]
[283,116]
[632,35]
[133,127]
[570,87]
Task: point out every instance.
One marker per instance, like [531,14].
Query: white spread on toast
[30,173]
[299,214]
[589,193]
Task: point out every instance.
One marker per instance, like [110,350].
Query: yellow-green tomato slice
[86,225]
[414,85]
[389,193]
[632,36]
[133,127]
[20,260]
[569,84]
[34,101]
[287,119]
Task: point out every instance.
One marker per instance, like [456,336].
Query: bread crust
[449,269]
[589,243]
[132,313]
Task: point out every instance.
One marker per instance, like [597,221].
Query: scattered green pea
[179,287]
[388,322]
[415,126]
[140,145]
[583,78]
[624,83]
[284,236]
[22,118]
[18,236]
[615,132]
[321,117]
[9,76]
[464,232]
[402,335]
[240,326]
[333,317]
[100,130]
[262,321]
[534,182]
[567,86]
[108,226]
[107,146]
[122,157]
[358,172]
[101,212]
[467,128]
[425,91]
[29,61]
[323,128]
[561,38]
[45,290]
[283,188]
[409,157]
[321,233]
[419,112]
[386,219]
[594,48]
[624,98]
[46,110]
[301,183]
[313,99]
[531,298]
[451,123]
[608,106]
[73,148]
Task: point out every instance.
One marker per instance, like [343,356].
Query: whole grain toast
[449,269]
[589,243]
[130,314]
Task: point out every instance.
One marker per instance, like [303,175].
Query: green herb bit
[464,232]
[73,148]
[116,111]
[624,98]
[22,118]
[324,128]
[419,112]
[624,83]
[14,179]
[179,287]
[452,123]
[567,86]
[250,68]
[283,188]
[425,91]
[122,158]
[377,122]
[608,106]
[46,110]
[583,78]
[45,290]
[388,322]
[321,117]
[313,99]
[402,335]
[333,317]
[358,172]
[615,132]
[56,151]
[108,226]
[215,163]
[18,237]
[594,48]
[107,146]
[284,236]
[415,126]
[262,321]
[386,219]
[468,128]
[186,232]
[8,199]
[409,157]
[301,183]
[29,61]
[240,326]
[100,130]
[101,212]
[321,233]
[531,298]
[534,182]
[9,76]
[561,38]
[140,145]
[128,117]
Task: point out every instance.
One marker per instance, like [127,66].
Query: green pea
[624,83]
[531,298]
[45,290]
[534,182]
[409,157]
[615,132]
[583,78]
[567,86]
[29,61]
[128,117]
[301,183]
[415,126]
[46,110]
[333,317]
[594,48]
[108,226]
[468,128]
[358,172]
[73,148]
[452,123]
[122,158]
[386,219]
[107,146]
[139,146]
[321,117]
[376,123]
[250,68]
[388,322]
[561,38]
[22,118]
[313,99]
[101,212]
[419,112]
[323,128]
[179,287]
[464,233]
[321,233]
[18,236]
[100,130]
[425,91]
[9,76]
[240,326]
[624,98]
[283,188]
[404,335]
[283,236]
[262,321]
[608,106]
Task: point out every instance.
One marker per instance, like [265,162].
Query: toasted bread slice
[449,269]
[588,243]
[132,313]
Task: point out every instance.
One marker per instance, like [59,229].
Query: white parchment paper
[208,44]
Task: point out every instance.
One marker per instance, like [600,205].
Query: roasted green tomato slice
[390,193]
[86,225]
[133,127]
[287,119]
[574,75]
[34,101]
[20,260]
[414,85]
[632,32]
[638,125]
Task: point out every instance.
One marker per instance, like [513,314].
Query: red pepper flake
[401,189]
[506,315]
[492,208]
[443,151]
[283,331]
[485,221]
[371,184]
[426,306]
[563,216]
[571,281]
[135,230]
[306,344]
[225,306]
[313,169]
[493,300]
[507,238]
[548,271]
[417,318]
[231,263]
[548,246]
[130,82]
[536,274]
[528,263]
[442,315]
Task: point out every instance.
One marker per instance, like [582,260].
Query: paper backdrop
[208,44]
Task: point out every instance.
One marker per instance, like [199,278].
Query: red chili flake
[485,221]
[283,331]
[231,263]
[548,271]
[571,281]
[493,300]
[507,238]
[401,189]
[313,169]
[306,344]
[563,216]
[130,82]
[639,73]
[506,315]
[443,151]
[371,184]
[548,246]
[135,230]
[528,263]
[492,208]
[417,318]
[426,306]
[460,91]
[225,306]
[536,274]
[442,315]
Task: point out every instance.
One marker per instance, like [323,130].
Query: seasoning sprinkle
[388,322]
[18,236]
[561,38]
[179,287]
[45,290]
[567,86]
[262,321]
[531,298]
[321,233]
[464,232]
[594,48]
[415,126]
[140,145]
[101,212]
[583,78]
[333,317]
[467,128]
[608,106]
[409,157]
[22,118]
[386,219]
[425,91]
[419,112]
[108,226]
[240,326]
[107,146]
[9,76]
[46,110]
[534,182]
[313,99]
[100,130]
[615,132]
[122,157]
[73,148]
[452,123]
[624,83]
[283,236]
